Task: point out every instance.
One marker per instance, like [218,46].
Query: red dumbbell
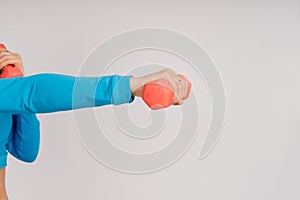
[159,94]
[9,71]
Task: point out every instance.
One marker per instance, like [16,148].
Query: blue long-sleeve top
[22,97]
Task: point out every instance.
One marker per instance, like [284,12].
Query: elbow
[28,157]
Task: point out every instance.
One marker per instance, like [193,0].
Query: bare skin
[136,87]
[3,194]
[10,59]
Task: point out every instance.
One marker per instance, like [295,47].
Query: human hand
[179,85]
[10,58]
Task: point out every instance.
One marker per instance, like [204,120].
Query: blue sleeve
[24,139]
[5,131]
[45,93]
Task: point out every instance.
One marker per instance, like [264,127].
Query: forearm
[3,194]
[44,93]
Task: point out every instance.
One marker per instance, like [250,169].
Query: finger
[184,88]
[171,77]
[11,56]
[6,57]
[178,98]
[2,49]
[4,53]
[174,81]
[188,86]
[8,61]
[3,60]
[177,93]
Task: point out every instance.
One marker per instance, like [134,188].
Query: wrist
[136,87]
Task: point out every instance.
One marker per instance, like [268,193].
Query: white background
[256,47]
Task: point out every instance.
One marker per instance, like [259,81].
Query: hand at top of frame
[10,58]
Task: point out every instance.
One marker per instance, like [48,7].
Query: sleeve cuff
[121,92]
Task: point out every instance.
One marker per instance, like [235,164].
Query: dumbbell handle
[9,71]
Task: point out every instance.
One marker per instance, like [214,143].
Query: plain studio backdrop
[256,48]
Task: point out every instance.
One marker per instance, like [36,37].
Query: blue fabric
[22,97]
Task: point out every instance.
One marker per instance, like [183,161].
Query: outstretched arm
[48,92]
[45,93]
[42,93]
